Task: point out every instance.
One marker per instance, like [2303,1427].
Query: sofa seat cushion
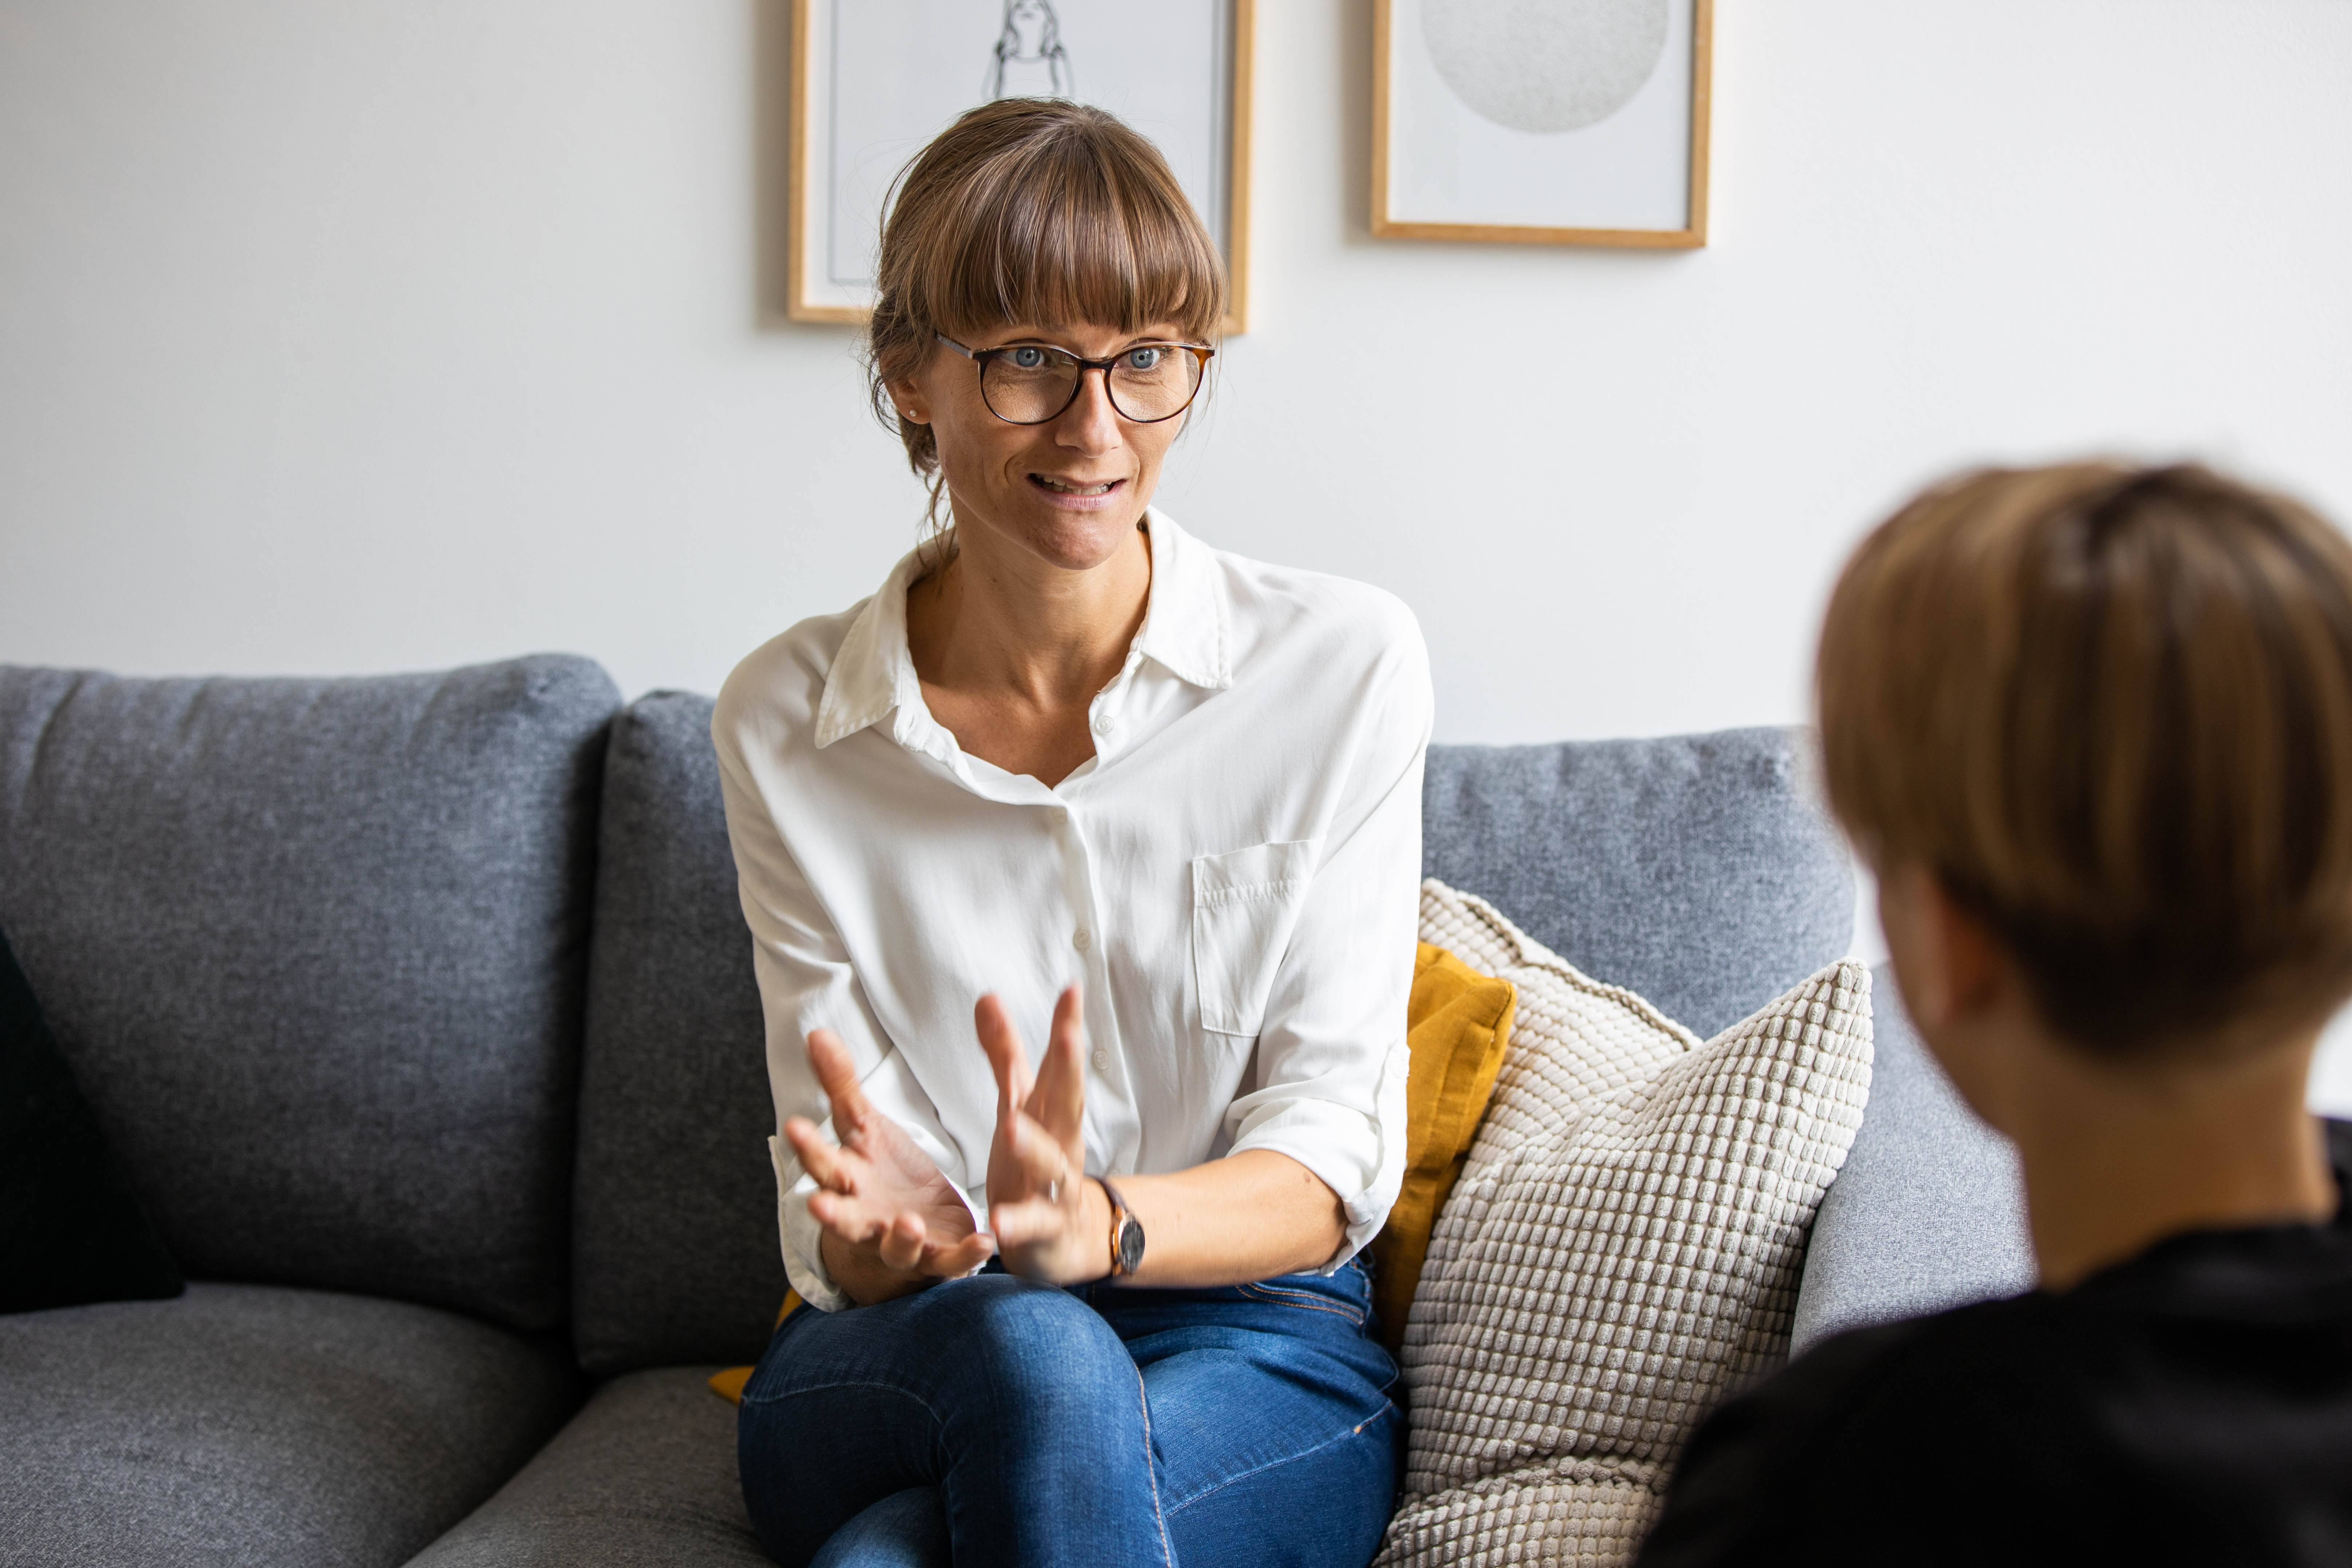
[254,1425]
[644,1477]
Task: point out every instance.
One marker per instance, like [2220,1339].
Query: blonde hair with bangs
[1031,210]
[2111,708]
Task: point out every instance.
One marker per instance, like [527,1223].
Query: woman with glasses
[1074,777]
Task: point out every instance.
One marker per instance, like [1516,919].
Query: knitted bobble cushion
[1621,1253]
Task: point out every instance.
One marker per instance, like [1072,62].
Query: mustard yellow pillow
[1457,1022]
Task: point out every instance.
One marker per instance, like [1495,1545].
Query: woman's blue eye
[1144,359]
[1028,358]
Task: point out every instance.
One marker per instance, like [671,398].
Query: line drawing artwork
[1545,67]
[1029,60]
[874,80]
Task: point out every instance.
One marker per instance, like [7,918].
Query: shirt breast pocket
[1245,903]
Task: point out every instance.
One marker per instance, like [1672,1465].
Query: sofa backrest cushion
[316,951]
[1696,870]
[675,1241]
[72,1231]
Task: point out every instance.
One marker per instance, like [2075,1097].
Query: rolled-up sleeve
[1328,1087]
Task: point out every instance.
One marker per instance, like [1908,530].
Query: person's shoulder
[1941,1345]
[1318,631]
[1293,598]
[1880,1408]
[774,691]
[1821,1388]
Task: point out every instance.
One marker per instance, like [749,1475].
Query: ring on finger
[1053,1191]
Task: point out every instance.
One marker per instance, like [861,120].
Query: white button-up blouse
[1232,878]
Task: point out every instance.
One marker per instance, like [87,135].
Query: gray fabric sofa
[422,1015]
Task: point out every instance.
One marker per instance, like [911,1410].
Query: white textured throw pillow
[1620,1252]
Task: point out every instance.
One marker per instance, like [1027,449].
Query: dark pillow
[72,1229]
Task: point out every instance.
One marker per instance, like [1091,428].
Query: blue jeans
[996,1420]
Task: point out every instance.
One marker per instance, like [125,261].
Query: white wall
[395,333]
[391,333]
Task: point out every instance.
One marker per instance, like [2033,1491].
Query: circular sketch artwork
[1545,65]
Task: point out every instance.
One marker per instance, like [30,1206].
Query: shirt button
[1102,1060]
[1105,724]
[1061,814]
[1083,939]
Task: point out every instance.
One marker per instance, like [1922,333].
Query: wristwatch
[1126,1233]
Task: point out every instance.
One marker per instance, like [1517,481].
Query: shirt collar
[1185,624]
[873,675]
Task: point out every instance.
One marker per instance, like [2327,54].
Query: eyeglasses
[1029,383]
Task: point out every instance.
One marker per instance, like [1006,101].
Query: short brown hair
[1033,209]
[2111,708]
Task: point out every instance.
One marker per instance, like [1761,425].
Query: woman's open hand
[1048,1224]
[893,1223]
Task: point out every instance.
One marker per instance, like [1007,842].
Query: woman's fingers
[902,1242]
[834,1203]
[1005,1055]
[1059,1101]
[1039,1155]
[836,1074]
[965,1256]
[872,1187]
[1027,1222]
[829,1164]
[1036,1172]
[1036,1163]
[846,1217]
[1056,1097]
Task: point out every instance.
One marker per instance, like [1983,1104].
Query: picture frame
[1585,124]
[872,81]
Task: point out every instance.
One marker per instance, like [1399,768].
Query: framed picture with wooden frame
[1576,122]
[874,80]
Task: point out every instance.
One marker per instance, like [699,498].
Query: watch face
[1131,1245]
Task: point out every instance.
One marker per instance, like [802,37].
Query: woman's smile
[1079,493]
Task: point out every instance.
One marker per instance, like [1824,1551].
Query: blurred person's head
[2100,719]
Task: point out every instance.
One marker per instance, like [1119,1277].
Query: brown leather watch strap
[1125,1233]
